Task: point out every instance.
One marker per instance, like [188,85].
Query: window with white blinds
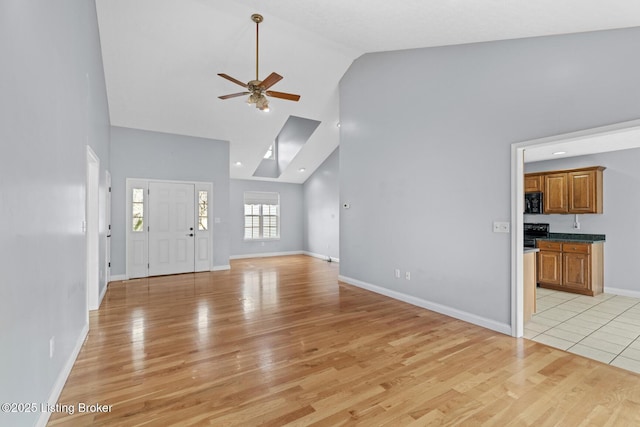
[261,215]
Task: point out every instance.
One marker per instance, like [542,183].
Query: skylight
[269,154]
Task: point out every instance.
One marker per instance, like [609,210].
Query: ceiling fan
[257,89]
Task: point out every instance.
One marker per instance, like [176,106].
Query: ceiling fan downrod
[257,18]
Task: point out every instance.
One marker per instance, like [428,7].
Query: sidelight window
[203,210]
[137,207]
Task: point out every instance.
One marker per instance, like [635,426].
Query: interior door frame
[92,229]
[107,216]
[517,207]
[197,185]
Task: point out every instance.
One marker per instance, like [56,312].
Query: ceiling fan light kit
[257,89]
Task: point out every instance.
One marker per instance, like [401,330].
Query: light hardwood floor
[279,341]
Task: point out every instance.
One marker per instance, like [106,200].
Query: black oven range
[533,231]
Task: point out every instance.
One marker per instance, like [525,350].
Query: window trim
[253,198]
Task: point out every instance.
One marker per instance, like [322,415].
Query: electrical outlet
[407,275]
[397,272]
[52,346]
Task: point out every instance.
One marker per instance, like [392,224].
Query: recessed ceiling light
[557,153]
[238,163]
[301,170]
[338,124]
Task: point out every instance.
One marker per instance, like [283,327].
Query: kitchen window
[261,215]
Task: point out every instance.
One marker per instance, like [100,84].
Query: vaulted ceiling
[162,57]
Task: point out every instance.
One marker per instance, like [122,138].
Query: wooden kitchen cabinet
[550,263]
[575,272]
[533,183]
[556,193]
[575,191]
[571,267]
[585,191]
[529,284]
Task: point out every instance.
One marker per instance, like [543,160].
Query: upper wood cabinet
[555,193]
[533,183]
[575,191]
[585,191]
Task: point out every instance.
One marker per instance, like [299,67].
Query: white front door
[171,228]
[168,227]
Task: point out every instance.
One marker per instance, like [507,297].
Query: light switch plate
[501,227]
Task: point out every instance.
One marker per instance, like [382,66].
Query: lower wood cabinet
[550,263]
[571,267]
[529,285]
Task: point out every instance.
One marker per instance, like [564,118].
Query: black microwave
[533,203]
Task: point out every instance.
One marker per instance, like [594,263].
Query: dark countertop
[575,237]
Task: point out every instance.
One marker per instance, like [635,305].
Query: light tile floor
[605,327]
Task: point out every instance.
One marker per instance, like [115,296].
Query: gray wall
[322,209]
[53,104]
[154,155]
[425,158]
[291,213]
[620,220]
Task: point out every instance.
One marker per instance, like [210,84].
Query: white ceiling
[161,57]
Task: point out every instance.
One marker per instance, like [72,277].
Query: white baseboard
[102,294]
[622,292]
[63,376]
[438,308]
[118,277]
[220,267]
[322,257]
[265,254]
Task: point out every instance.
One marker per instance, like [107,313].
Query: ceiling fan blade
[282,95]
[234,95]
[272,79]
[231,79]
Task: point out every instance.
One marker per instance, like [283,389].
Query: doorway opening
[605,136]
